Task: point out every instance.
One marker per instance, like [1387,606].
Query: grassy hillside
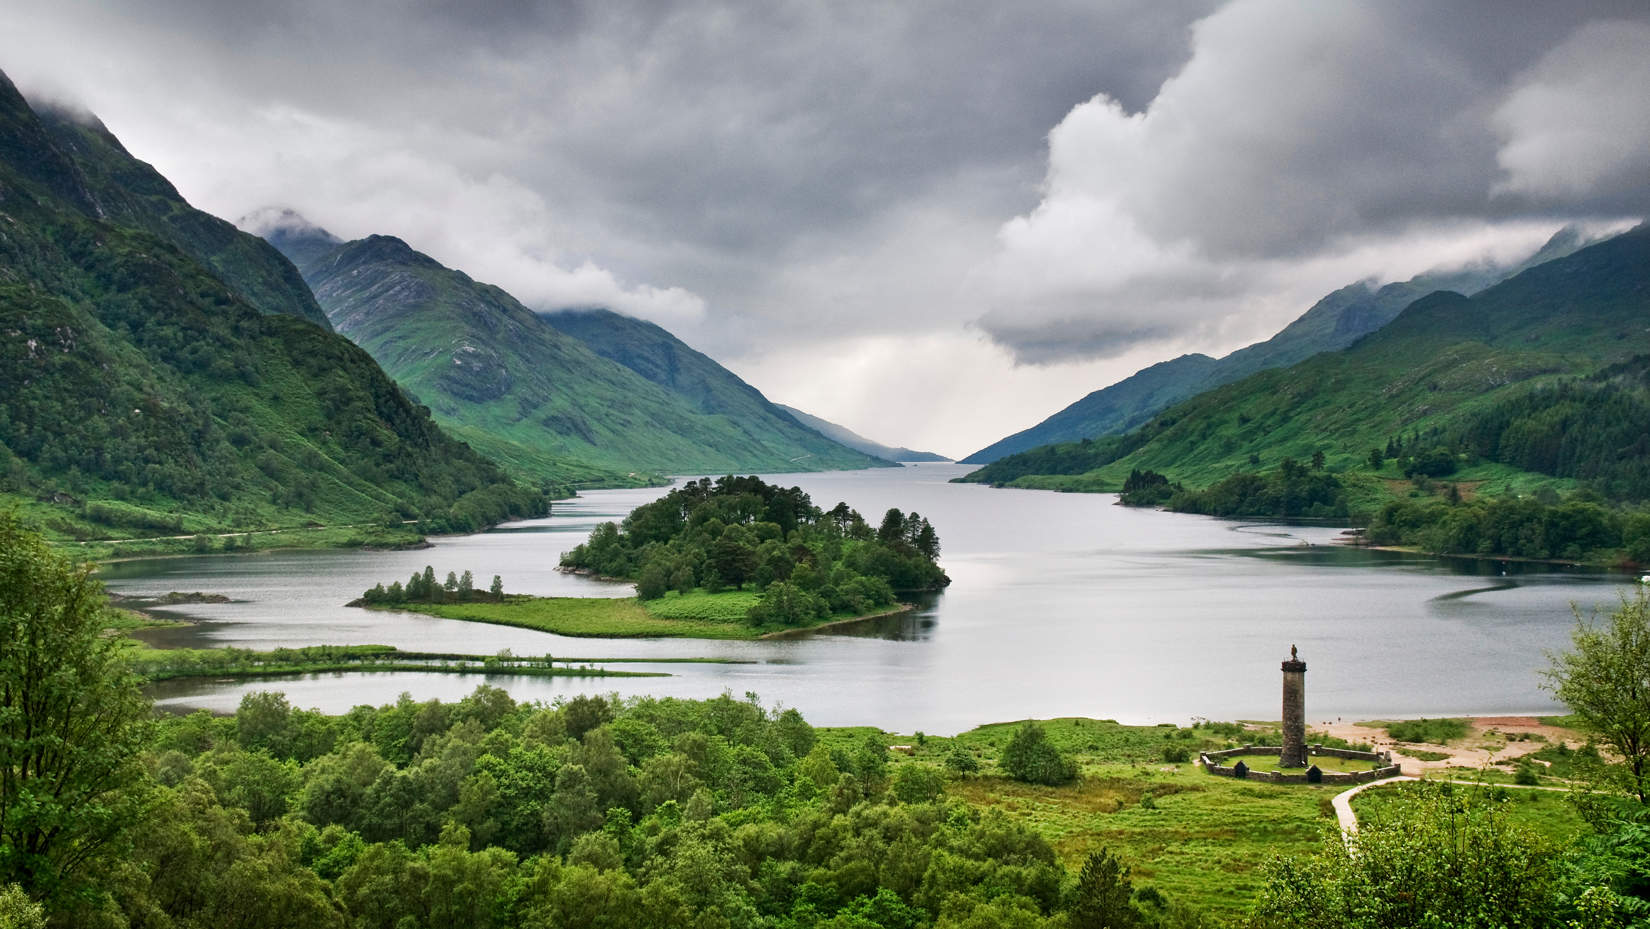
[853,439]
[1332,323]
[665,360]
[1444,360]
[652,352]
[529,395]
[141,395]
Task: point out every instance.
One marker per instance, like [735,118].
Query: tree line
[423,588]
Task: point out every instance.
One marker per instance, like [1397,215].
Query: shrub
[1434,731]
[1030,757]
[1525,774]
[960,760]
[916,783]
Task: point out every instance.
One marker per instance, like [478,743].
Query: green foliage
[1290,491]
[1437,857]
[1595,429]
[1430,731]
[593,812]
[1030,757]
[807,563]
[1573,530]
[1604,678]
[1147,488]
[72,721]
[422,588]
[1103,897]
[17,911]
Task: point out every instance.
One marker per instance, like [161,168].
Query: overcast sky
[933,222]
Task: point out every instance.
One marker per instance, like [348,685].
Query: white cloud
[1577,126]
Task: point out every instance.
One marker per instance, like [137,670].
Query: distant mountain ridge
[1443,360]
[653,352]
[161,372]
[853,439]
[532,396]
[1334,322]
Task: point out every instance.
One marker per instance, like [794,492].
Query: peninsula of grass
[694,615]
[166,664]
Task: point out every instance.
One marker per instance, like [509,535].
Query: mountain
[1334,322]
[853,439]
[654,353]
[160,373]
[1444,362]
[128,192]
[536,398]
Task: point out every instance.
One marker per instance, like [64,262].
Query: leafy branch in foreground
[72,721]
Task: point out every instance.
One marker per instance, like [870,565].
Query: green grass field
[695,615]
[1547,813]
[1201,840]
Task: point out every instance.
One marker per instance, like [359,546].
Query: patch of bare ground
[1490,742]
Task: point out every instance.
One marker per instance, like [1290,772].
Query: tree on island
[422,588]
[740,533]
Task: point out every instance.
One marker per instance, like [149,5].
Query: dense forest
[1594,429]
[737,531]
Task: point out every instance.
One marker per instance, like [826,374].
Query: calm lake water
[1061,605]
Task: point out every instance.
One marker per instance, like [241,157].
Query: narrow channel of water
[1061,605]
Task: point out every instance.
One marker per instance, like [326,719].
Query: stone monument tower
[1294,712]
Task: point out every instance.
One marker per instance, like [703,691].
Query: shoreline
[802,630]
[652,625]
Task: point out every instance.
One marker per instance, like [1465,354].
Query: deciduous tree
[1605,680]
[72,720]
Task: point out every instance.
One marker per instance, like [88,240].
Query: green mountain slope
[1334,322]
[141,394]
[654,353]
[1444,360]
[130,193]
[535,398]
[853,439]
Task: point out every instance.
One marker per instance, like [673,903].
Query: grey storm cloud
[804,189]
[1296,131]
[698,143]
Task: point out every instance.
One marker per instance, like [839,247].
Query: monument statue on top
[1294,712]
